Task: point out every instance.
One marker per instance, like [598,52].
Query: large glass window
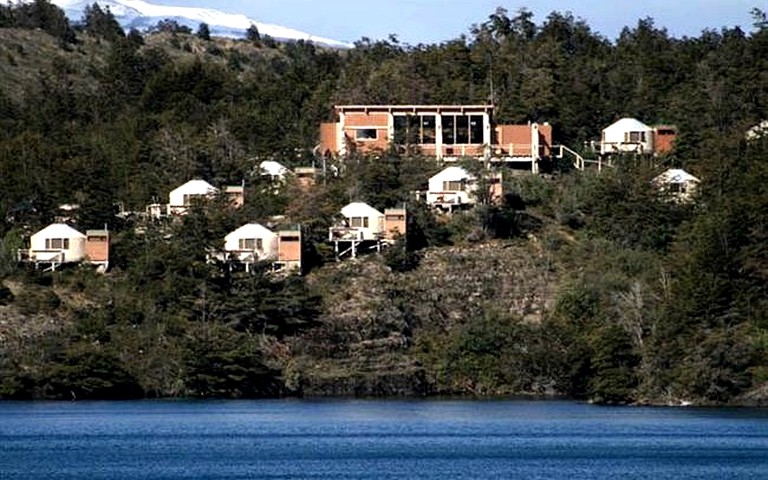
[428,131]
[358,222]
[414,129]
[449,129]
[463,129]
[402,129]
[476,129]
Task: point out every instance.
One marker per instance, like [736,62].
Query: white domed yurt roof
[676,175]
[59,230]
[196,187]
[250,230]
[452,173]
[273,168]
[360,209]
[628,125]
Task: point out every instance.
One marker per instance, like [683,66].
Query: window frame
[250,244]
[462,128]
[415,129]
[453,185]
[373,134]
[635,137]
[57,244]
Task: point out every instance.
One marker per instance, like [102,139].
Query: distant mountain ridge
[144,15]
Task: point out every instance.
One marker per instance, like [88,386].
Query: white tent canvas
[57,242]
[363,221]
[451,186]
[677,182]
[182,197]
[676,175]
[252,242]
[758,131]
[274,170]
[627,135]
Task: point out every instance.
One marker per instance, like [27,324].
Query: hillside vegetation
[585,284]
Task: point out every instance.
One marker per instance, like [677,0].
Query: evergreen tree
[170,25]
[252,34]
[43,15]
[101,23]
[203,31]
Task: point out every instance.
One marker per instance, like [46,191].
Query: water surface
[377,439]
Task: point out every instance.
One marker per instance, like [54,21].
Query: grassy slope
[27,54]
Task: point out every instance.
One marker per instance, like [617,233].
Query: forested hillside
[581,284]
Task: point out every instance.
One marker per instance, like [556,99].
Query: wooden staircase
[579,162]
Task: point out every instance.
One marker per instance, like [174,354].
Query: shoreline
[412,398]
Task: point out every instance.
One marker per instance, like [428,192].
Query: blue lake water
[377,439]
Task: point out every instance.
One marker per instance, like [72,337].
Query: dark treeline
[656,300]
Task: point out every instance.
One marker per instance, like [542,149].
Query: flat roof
[414,108]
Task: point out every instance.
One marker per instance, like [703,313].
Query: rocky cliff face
[376,323]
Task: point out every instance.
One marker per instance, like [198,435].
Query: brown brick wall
[380,143]
[394,223]
[665,140]
[97,248]
[459,150]
[305,177]
[289,250]
[235,196]
[520,137]
[362,119]
[328,138]
[517,135]
[428,150]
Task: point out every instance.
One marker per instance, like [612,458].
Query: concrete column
[487,136]
[438,136]
[340,140]
[535,148]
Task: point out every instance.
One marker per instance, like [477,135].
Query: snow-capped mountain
[143,15]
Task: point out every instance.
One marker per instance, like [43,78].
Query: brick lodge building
[447,132]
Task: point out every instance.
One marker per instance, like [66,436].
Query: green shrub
[89,372]
[6,296]
[400,259]
[35,300]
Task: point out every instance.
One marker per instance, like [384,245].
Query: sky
[435,21]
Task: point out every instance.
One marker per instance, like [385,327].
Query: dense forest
[582,284]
